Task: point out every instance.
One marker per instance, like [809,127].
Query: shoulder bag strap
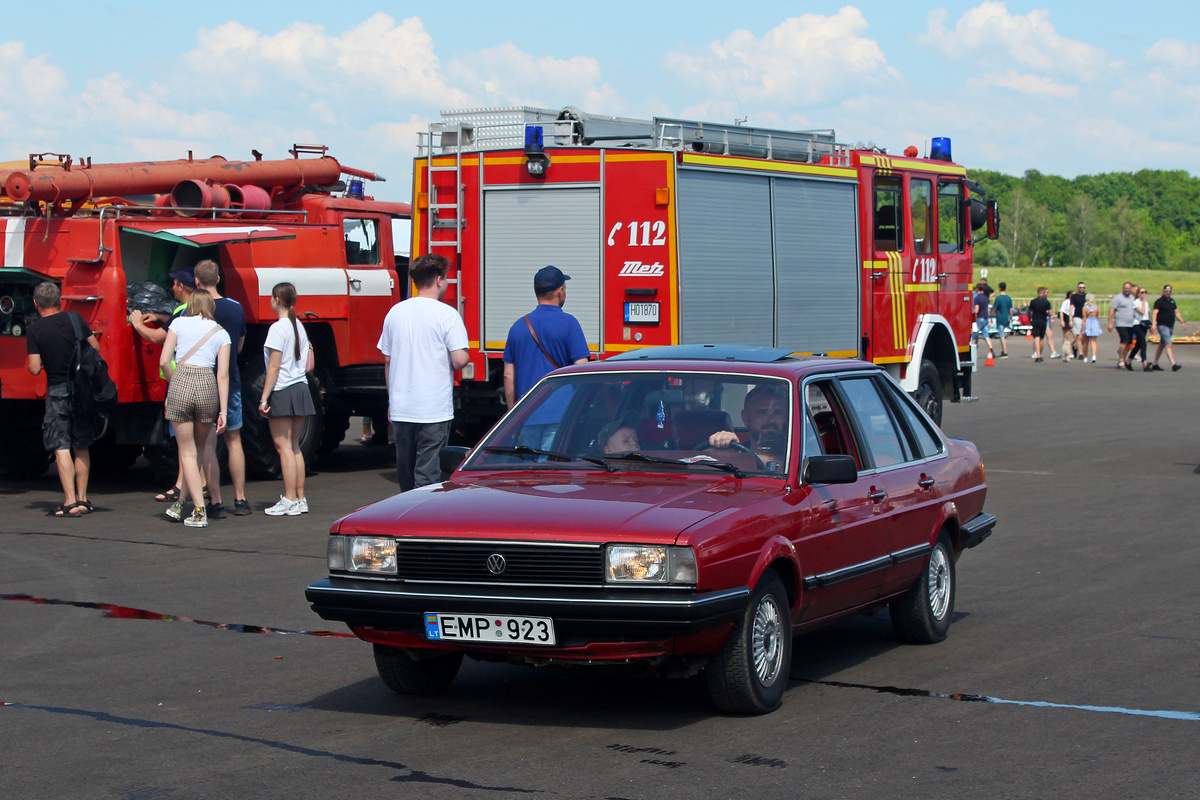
[198,344]
[533,333]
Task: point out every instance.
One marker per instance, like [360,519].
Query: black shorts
[60,429]
[1039,329]
[1126,335]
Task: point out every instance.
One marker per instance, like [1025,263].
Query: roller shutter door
[817,302]
[526,230]
[726,281]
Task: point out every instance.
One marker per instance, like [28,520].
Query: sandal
[169,496]
[64,511]
[85,507]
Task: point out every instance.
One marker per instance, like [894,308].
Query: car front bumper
[582,617]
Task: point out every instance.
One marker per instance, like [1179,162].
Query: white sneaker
[198,519]
[284,508]
[1056,355]
[302,504]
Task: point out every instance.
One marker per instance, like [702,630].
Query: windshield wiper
[525,450]
[639,456]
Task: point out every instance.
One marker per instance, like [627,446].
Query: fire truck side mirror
[993,219]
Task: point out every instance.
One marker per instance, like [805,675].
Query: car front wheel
[750,673]
[922,615]
[418,672]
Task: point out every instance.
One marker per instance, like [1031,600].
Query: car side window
[924,441]
[829,427]
[875,421]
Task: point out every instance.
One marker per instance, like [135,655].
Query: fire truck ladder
[444,138]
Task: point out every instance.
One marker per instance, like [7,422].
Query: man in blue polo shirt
[543,340]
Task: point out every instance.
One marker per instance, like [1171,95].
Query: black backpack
[92,389]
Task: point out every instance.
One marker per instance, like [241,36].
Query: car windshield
[647,421]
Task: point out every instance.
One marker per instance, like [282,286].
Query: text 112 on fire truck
[681,232]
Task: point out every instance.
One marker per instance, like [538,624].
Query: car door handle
[876,496]
[926,483]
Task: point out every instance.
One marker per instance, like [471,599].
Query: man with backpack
[75,415]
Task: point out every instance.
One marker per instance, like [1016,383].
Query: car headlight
[373,554]
[626,563]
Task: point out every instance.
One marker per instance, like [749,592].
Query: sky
[1067,88]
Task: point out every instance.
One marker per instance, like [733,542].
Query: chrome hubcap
[767,641]
[938,576]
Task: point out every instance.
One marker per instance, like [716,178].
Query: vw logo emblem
[496,564]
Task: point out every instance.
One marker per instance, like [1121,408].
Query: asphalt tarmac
[140,659]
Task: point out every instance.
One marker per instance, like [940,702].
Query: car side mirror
[451,458]
[830,469]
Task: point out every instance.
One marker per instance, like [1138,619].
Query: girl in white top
[286,400]
[196,398]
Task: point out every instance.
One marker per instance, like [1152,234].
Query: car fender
[778,548]
[947,520]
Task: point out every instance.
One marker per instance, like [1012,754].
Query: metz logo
[640,269]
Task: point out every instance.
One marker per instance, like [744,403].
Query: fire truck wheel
[262,462]
[929,391]
[333,431]
[108,456]
[22,456]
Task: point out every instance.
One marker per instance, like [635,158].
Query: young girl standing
[196,397]
[286,400]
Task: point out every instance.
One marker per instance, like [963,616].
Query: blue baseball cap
[548,279]
[184,276]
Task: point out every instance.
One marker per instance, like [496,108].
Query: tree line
[1143,220]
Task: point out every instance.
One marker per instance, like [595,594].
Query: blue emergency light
[536,160]
[940,151]
[356,189]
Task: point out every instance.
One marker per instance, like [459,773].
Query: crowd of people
[1131,315]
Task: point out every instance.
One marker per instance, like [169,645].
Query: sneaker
[1176,367]
[1037,361]
[1129,366]
[302,504]
[284,508]
[215,510]
[1145,367]
[198,519]
[1055,355]
[1004,355]
[175,511]
[1156,368]
[1093,359]
[241,508]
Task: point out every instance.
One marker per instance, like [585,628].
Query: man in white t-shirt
[423,343]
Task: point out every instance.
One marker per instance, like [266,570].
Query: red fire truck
[98,229]
[683,232]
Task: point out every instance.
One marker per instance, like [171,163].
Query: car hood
[653,509]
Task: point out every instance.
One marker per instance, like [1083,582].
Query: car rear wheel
[416,672]
[750,673]
[922,615]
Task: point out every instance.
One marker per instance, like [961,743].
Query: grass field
[1104,283]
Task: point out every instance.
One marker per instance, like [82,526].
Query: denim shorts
[233,418]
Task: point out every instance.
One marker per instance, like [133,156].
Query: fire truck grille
[477,562]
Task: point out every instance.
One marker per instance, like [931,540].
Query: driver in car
[765,415]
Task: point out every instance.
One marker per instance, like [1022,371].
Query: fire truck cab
[685,232]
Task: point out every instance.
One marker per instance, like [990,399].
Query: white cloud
[991,34]
[1174,52]
[375,55]
[806,58]
[1028,84]
[506,75]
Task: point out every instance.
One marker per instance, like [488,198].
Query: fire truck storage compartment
[145,257]
[527,229]
[809,276]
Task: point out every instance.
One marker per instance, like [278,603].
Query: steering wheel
[741,448]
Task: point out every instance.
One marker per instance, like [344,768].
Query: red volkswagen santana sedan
[687,508]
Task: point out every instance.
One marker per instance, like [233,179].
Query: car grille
[467,562]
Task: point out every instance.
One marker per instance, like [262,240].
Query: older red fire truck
[98,229]
[682,232]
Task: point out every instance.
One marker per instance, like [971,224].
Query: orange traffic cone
[1029,333]
[991,362]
